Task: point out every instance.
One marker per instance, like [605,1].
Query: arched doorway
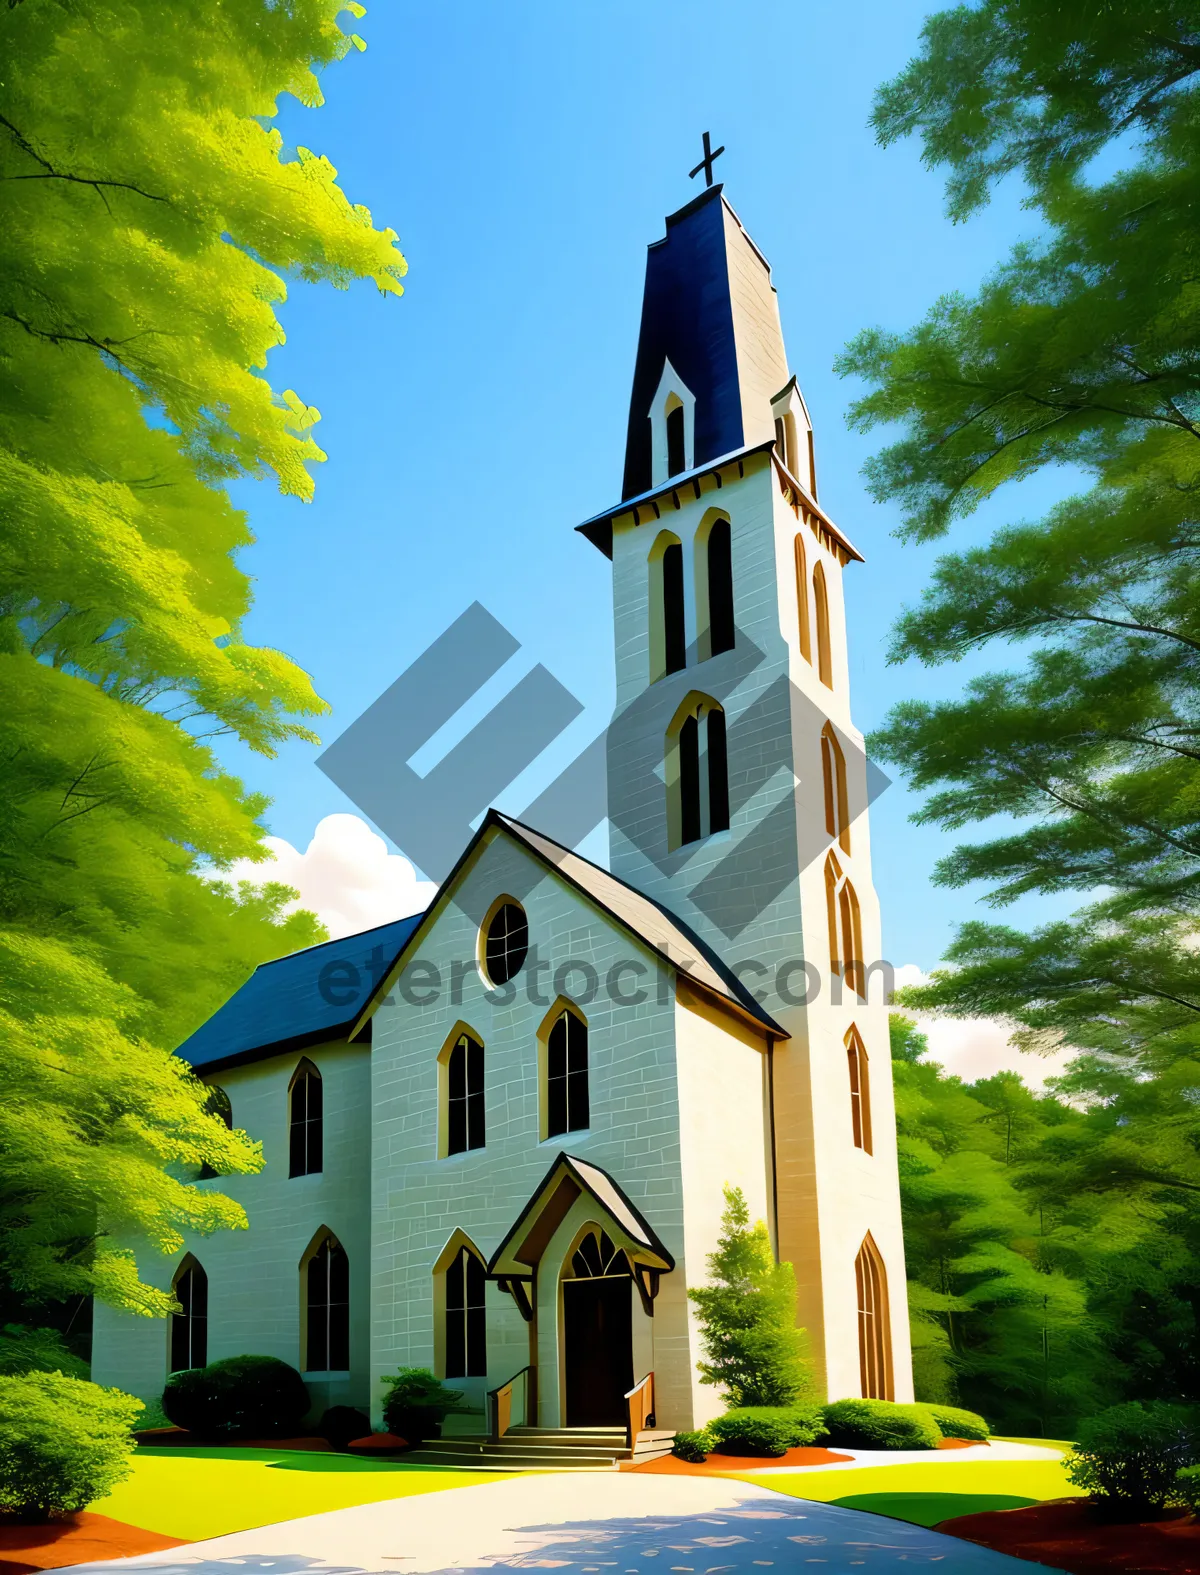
[597,1290]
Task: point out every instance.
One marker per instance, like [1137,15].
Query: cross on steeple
[706,163]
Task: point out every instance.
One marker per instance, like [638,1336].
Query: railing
[639,1410]
[513,1404]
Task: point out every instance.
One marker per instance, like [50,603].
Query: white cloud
[346,876]
[975,1047]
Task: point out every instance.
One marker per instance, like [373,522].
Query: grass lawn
[927,1494]
[196,1493]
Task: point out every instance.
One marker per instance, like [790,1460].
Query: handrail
[499,1402]
[639,1410]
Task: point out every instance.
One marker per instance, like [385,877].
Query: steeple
[710,324]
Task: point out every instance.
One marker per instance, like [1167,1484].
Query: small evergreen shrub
[342,1424]
[955,1423]
[243,1396]
[766,1430]
[417,1404]
[1187,1486]
[695,1446]
[881,1424]
[64,1442]
[1128,1456]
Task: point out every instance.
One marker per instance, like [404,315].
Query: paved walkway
[996,1449]
[605,1524]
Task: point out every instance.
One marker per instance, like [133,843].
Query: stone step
[495,1458]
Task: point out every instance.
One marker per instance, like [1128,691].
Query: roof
[568,1177]
[599,529]
[649,922]
[303,999]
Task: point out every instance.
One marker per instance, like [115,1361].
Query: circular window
[506,943]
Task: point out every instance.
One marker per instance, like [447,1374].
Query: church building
[497,1134]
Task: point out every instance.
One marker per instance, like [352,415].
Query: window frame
[498,907]
[859,1069]
[190,1274]
[326,1254]
[306,1132]
[563,1008]
[475,1113]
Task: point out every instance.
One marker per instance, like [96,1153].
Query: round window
[506,943]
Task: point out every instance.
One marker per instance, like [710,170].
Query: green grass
[197,1493]
[927,1494]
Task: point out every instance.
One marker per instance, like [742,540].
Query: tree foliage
[755,1353]
[1081,351]
[149,217]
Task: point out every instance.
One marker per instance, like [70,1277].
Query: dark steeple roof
[709,308]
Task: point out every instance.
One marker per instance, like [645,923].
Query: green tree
[756,1354]
[149,216]
[1082,350]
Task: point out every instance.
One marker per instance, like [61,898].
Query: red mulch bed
[962,1443]
[667,1465]
[1072,1534]
[80,1539]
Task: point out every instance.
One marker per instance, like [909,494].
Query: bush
[342,1424]
[243,1396]
[1129,1455]
[1187,1486]
[766,1430]
[416,1404]
[63,1443]
[693,1446]
[955,1423]
[881,1424]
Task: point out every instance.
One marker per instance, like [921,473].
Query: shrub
[1129,1455]
[416,1404]
[342,1424]
[63,1443]
[955,1423]
[766,1430]
[695,1446]
[246,1396]
[881,1424]
[1187,1485]
[754,1352]
[25,1350]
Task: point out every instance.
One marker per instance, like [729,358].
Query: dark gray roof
[304,999]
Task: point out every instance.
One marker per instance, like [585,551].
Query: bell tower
[737,782]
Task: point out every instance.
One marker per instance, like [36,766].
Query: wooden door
[598,1329]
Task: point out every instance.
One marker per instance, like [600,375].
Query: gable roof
[648,921]
[285,1004]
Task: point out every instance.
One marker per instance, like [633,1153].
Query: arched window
[824,652]
[837,797]
[567,1104]
[860,1090]
[327,1341]
[189,1326]
[874,1325]
[676,446]
[217,1104]
[802,600]
[464,1095]
[812,465]
[697,772]
[466,1317]
[596,1257]
[845,927]
[719,554]
[505,943]
[307,1122]
[668,641]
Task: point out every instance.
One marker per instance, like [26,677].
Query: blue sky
[526,155]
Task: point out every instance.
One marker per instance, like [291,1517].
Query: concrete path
[608,1524]
[995,1450]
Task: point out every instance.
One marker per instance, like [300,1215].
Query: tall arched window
[874,1324]
[860,1090]
[217,1104]
[845,927]
[464,1096]
[837,797]
[306,1122]
[676,445]
[697,772]
[802,599]
[668,640]
[719,555]
[189,1326]
[824,651]
[466,1317]
[327,1341]
[567,1100]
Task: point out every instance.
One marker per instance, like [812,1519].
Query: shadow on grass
[930,1509]
[285,1459]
